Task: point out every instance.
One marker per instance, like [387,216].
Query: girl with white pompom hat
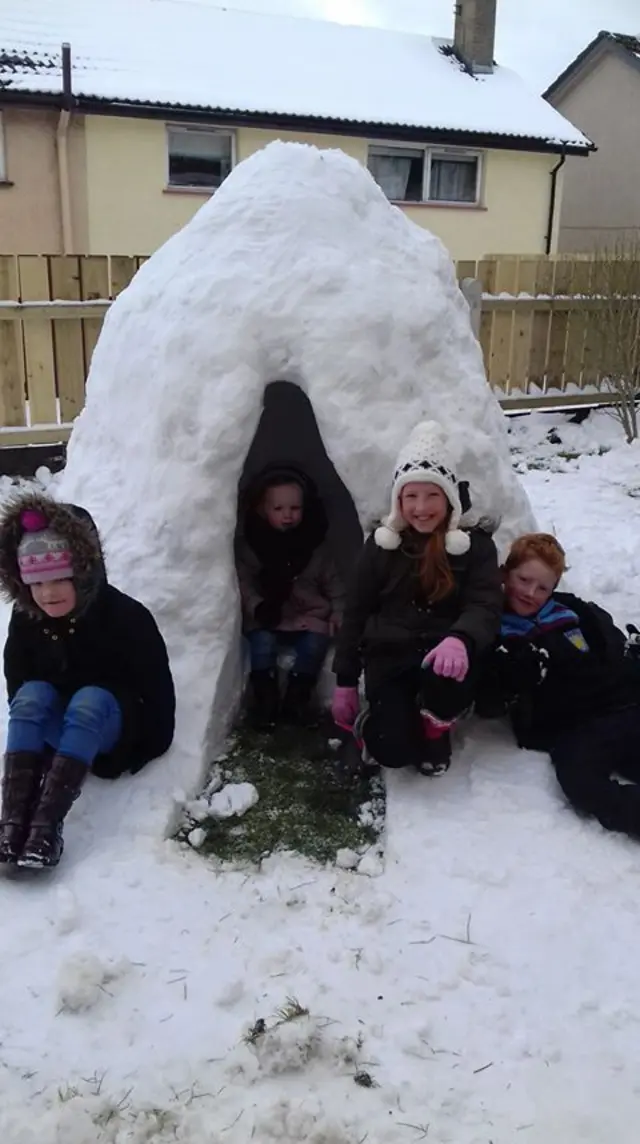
[424,604]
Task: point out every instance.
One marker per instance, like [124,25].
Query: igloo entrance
[288,433]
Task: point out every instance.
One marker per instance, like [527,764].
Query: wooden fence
[51,314]
[533,327]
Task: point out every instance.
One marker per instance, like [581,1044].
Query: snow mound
[298,269]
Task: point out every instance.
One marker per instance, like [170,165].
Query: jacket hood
[314,519]
[70,521]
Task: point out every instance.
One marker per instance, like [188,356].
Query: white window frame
[430,152]
[202,129]
[3,152]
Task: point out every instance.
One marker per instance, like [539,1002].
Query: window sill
[6,183]
[439,206]
[203,192]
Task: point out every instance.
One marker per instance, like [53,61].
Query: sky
[537,39]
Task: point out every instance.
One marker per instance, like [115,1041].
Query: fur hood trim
[70,521]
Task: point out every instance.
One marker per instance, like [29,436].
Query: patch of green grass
[305,804]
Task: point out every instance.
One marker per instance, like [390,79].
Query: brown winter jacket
[317,596]
[388,625]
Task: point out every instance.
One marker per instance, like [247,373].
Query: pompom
[457,542]
[386,537]
[32,520]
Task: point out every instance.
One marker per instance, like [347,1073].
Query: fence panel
[13,410]
[38,342]
[94,278]
[67,336]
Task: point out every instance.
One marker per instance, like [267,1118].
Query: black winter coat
[389,625]
[110,641]
[571,681]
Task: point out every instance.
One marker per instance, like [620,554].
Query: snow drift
[297,270]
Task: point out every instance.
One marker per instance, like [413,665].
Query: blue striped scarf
[552,615]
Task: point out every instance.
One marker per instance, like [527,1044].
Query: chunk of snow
[196,837]
[198,809]
[230,994]
[233,800]
[371,864]
[81,981]
[347,859]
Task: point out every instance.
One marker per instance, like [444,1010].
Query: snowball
[371,864]
[233,800]
[230,994]
[198,809]
[196,837]
[297,269]
[81,981]
[347,859]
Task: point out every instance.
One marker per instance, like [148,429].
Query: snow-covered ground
[487,981]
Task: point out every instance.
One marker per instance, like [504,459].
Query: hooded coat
[110,640]
[296,567]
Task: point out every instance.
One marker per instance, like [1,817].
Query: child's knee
[34,700]
[90,705]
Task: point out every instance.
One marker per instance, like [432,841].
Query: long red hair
[436,577]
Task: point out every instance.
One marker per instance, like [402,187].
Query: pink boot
[437,736]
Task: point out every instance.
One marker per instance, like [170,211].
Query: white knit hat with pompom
[426,457]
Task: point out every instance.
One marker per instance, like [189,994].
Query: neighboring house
[600,92]
[112,141]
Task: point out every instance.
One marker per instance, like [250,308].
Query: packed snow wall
[298,269]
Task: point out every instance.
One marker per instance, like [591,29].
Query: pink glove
[345,706]
[450,659]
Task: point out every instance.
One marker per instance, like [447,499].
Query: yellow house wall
[131,211]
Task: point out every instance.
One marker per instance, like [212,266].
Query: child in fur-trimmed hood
[88,677]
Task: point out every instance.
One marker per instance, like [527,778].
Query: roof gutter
[62,140]
[93,105]
[548,242]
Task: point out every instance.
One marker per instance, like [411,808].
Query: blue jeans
[309,648]
[90,725]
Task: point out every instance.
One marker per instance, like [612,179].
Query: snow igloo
[298,313]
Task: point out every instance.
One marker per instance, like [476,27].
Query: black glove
[522,667]
[268,613]
[632,642]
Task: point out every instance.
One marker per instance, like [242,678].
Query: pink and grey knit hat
[42,554]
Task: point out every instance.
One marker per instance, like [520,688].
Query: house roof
[185,54]
[629,46]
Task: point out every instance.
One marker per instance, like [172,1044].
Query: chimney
[475,33]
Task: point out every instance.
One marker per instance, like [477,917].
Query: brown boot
[61,788]
[21,781]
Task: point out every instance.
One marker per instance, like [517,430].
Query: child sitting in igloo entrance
[292,596]
[87,672]
[424,605]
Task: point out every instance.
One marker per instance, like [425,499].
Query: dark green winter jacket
[389,625]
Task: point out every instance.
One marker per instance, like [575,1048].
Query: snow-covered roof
[174,53]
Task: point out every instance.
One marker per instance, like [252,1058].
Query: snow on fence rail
[533,326]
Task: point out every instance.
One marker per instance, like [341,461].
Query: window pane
[453,180]
[399,173]
[199,158]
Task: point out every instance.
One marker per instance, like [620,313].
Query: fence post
[472,290]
